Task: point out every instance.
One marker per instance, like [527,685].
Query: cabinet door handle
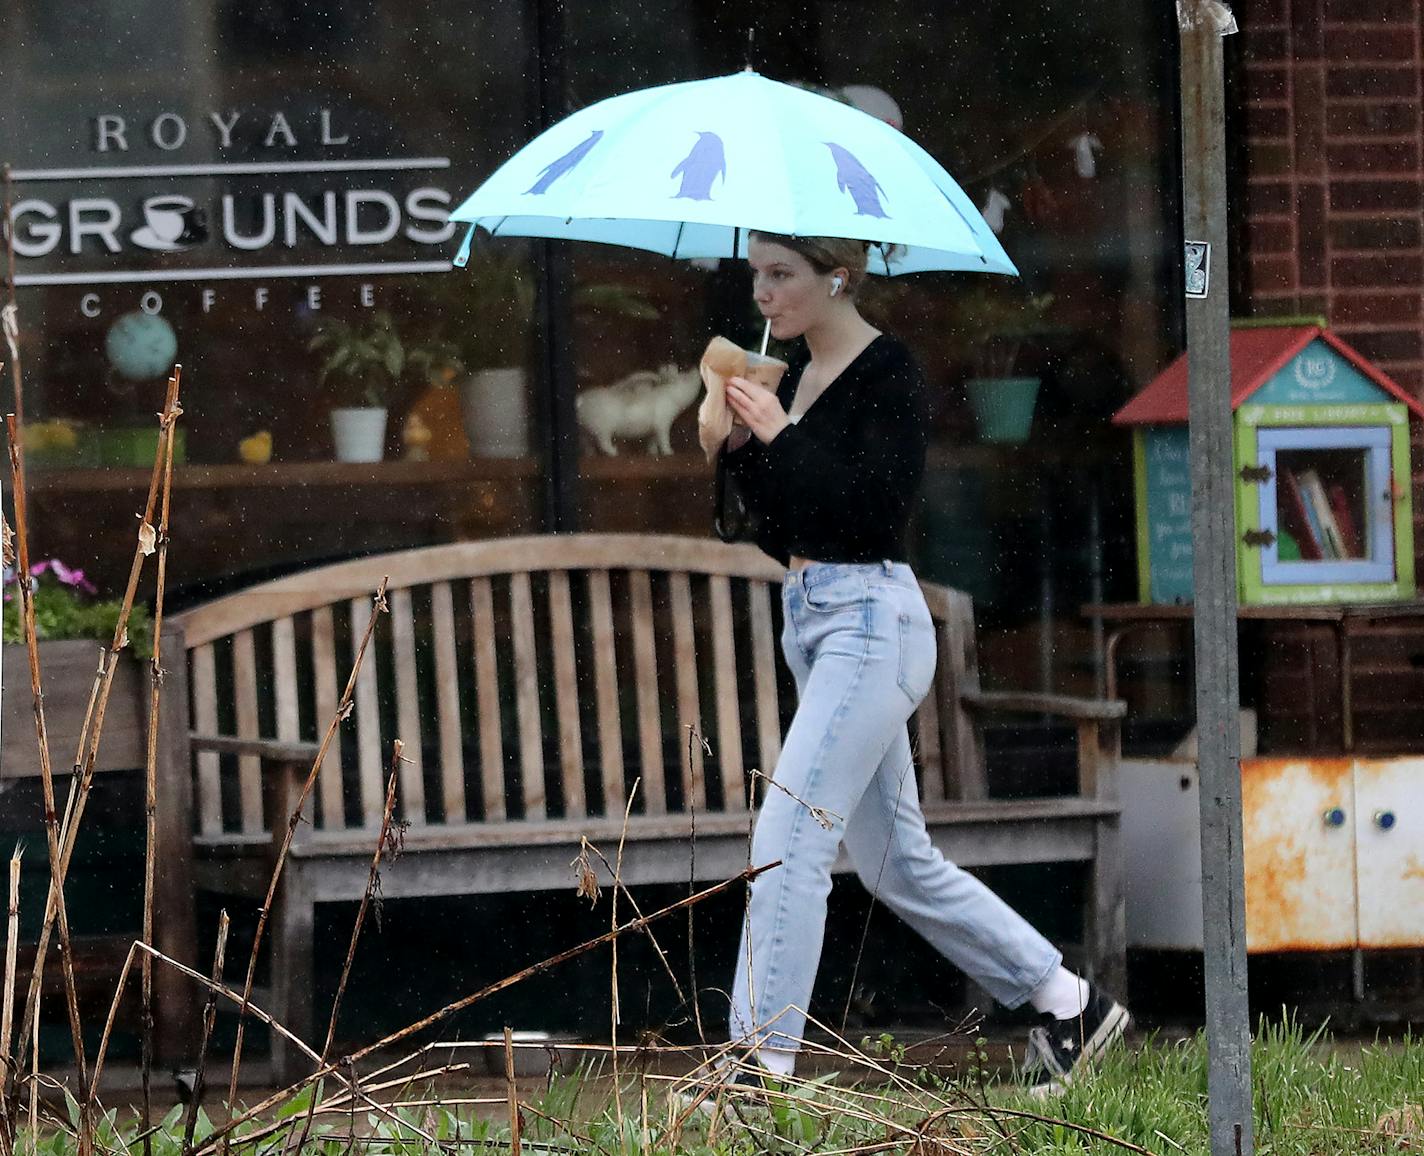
[1334,817]
[1385,820]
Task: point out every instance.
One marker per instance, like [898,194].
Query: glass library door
[1327,501]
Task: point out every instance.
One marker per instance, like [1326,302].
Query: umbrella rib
[677,241]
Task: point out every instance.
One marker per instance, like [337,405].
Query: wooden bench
[533,680]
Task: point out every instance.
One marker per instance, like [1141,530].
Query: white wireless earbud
[836,285]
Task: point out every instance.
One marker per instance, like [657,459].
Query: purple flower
[65,575]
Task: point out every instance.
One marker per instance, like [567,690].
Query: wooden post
[293,952]
[1203,24]
[175,930]
[1099,753]
[958,674]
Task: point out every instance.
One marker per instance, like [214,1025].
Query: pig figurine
[643,404]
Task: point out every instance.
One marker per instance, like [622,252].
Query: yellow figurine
[416,435]
[257,449]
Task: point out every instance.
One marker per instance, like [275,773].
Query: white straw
[765,337]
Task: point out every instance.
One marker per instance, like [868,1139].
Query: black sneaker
[721,1090]
[1059,1049]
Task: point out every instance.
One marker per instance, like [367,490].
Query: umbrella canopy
[687,169]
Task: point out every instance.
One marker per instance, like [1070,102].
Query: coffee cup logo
[171,223]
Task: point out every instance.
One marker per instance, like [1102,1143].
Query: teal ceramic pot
[1003,406]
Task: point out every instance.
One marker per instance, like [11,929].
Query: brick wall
[1328,93]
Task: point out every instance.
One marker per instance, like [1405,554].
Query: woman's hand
[757,408]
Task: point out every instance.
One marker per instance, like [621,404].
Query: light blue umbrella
[687,169]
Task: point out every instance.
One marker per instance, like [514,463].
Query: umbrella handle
[462,258]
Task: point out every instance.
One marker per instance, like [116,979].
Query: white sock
[1062,995]
[777,1061]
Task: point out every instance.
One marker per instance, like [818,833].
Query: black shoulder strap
[729,511]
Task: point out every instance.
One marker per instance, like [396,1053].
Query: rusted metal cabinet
[1333,847]
[1334,851]
[1389,856]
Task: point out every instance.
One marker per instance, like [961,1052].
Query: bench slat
[205,718]
[412,766]
[960,817]
[284,679]
[526,696]
[645,675]
[249,769]
[447,703]
[724,672]
[605,685]
[561,641]
[768,715]
[487,699]
[327,695]
[368,721]
[684,653]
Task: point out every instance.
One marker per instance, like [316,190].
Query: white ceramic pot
[494,406]
[359,434]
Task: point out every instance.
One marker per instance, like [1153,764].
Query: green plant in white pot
[994,322]
[364,360]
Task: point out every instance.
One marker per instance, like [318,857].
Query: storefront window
[223,184]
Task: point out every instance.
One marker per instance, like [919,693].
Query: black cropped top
[838,484]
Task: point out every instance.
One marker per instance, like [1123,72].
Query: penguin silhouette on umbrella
[699,168]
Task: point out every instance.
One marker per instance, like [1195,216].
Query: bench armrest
[268,750]
[1029,702]
[284,767]
[1098,737]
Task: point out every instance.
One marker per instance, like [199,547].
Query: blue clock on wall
[141,346]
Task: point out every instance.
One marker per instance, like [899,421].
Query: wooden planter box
[67,670]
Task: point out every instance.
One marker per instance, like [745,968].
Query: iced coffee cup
[764,370]
[721,361]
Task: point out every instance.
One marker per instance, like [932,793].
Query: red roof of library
[1257,354]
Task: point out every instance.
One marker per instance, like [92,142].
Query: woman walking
[821,475]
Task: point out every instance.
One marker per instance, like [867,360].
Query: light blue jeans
[859,640]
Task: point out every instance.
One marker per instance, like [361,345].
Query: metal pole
[555,370]
[1203,24]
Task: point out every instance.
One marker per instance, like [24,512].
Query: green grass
[1312,1098]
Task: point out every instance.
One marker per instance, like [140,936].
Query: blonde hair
[825,253]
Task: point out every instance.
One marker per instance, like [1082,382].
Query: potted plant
[365,360]
[487,311]
[994,322]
